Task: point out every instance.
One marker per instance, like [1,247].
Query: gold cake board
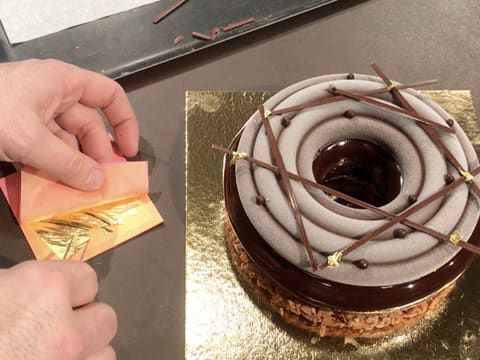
[223,322]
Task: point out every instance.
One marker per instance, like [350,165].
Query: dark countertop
[411,40]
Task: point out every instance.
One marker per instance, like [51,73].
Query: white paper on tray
[25,20]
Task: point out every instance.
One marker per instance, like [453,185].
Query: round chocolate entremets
[399,269]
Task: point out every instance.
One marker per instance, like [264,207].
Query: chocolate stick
[201,36]
[380,104]
[402,216]
[287,187]
[168,11]
[238,24]
[437,141]
[328,100]
[470,247]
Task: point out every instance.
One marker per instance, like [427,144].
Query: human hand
[46,312]
[48,108]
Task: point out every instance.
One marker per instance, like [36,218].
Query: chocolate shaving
[169,10]
[214,33]
[359,203]
[238,24]
[287,186]
[178,39]
[201,36]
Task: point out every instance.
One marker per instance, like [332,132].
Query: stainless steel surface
[410,39]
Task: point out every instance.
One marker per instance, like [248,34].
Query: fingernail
[95,180]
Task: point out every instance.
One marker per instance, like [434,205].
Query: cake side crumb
[319,321]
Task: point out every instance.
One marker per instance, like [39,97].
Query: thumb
[62,162]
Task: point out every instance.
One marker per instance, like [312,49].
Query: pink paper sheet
[32,196]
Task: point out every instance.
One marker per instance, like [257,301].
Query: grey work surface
[410,39]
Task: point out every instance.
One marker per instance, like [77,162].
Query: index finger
[98,91]
[108,95]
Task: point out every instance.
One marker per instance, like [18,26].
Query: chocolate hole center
[358,168]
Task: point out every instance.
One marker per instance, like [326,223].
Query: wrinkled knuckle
[30,272]
[112,321]
[46,279]
[69,343]
[19,148]
[110,353]
[73,167]
[54,280]
[109,320]
[91,275]
[54,64]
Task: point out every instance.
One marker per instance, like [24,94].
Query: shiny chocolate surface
[320,292]
[358,168]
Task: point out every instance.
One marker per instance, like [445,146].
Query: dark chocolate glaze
[321,292]
[360,169]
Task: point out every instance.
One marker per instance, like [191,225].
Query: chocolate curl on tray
[238,24]
[201,36]
[214,33]
[447,238]
[277,156]
[168,11]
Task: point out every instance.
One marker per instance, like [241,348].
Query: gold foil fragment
[468,177]
[67,234]
[333,261]
[224,322]
[237,155]
[455,237]
[267,112]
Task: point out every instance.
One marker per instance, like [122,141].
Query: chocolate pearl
[333,88]
[286,121]
[399,233]
[412,199]
[349,114]
[361,264]
[450,122]
[449,178]
[260,200]
[350,76]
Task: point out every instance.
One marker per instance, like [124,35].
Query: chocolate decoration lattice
[416,203]
[320,292]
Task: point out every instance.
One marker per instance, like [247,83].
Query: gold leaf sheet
[86,233]
[223,322]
